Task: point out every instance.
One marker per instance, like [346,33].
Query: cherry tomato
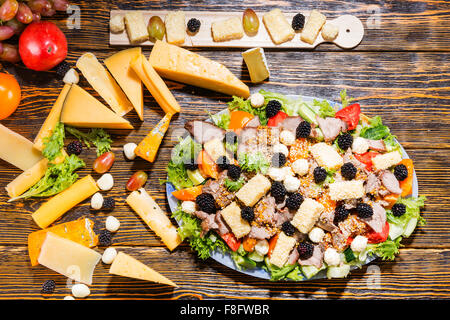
[103,163]
[350,115]
[10,95]
[42,46]
[275,120]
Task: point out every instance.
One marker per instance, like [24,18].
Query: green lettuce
[97,136]
[244,105]
[385,250]
[413,206]
[55,143]
[255,162]
[376,131]
[323,108]
[220,120]
[277,273]
[234,186]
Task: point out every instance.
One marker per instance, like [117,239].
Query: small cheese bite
[312,27]
[136,27]
[226,30]
[278,27]
[117,24]
[330,32]
[175,27]
[256,62]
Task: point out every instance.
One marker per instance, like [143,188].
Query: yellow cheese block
[119,65]
[182,65]
[127,266]
[155,85]
[255,60]
[68,258]
[100,79]
[82,110]
[148,147]
[144,205]
[54,208]
[17,150]
[52,119]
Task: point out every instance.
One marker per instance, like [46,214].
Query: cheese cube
[312,27]
[283,248]
[215,148]
[256,62]
[307,215]
[278,27]
[232,216]
[254,190]
[387,160]
[229,29]
[344,190]
[330,32]
[175,27]
[117,24]
[326,156]
[136,27]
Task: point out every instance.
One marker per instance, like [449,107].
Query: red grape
[38,6]
[137,181]
[17,26]
[6,32]
[8,10]
[10,53]
[36,17]
[60,5]
[103,163]
[250,22]
[24,14]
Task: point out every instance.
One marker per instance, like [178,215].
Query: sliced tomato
[406,185]
[231,241]
[238,119]
[276,119]
[208,168]
[188,194]
[350,115]
[366,158]
[378,237]
[272,243]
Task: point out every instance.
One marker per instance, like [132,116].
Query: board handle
[351,31]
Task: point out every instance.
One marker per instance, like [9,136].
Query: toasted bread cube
[175,27]
[278,27]
[282,250]
[215,149]
[326,156]
[345,190]
[387,160]
[136,27]
[232,216]
[226,30]
[307,215]
[117,24]
[256,62]
[330,32]
[312,27]
[254,190]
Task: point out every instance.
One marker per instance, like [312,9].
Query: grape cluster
[15,15]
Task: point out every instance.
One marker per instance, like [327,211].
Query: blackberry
[398,209]
[48,287]
[191,165]
[223,162]
[248,214]
[272,108]
[303,130]
[62,68]
[234,171]
[230,137]
[105,238]
[193,25]
[294,201]
[288,228]
[345,141]
[298,22]
[364,210]
[340,214]
[401,172]
[278,160]
[206,203]
[109,203]
[305,250]
[278,191]
[320,174]
[75,147]
[348,171]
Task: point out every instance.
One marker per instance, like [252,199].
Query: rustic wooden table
[400,71]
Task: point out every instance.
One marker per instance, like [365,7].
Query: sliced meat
[378,219]
[208,224]
[265,211]
[254,123]
[293,257]
[372,183]
[338,239]
[390,182]
[326,221]
[203,131]
[331,127]
[352,226]
[218,190]
[290,123]
[259,233]
[315,260]
[377,145]
[221,224]
[281,216]
[350,203]
[201,215]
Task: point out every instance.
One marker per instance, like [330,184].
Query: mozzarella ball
[359,244]
[80,290]
[71,77]
[109,255]
[291,184]
[128,150]
[288,172]
[262,247]
[360,145]
[112,224]
[257,100]
[332,257]
[188,206]
[280,148]
[106,182]
[69,298]
[97,201]
[300,166]
[316,234]
[276,174]
[287,137]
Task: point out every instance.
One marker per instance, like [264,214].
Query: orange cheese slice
[82,110]
[148,147]
[182,65]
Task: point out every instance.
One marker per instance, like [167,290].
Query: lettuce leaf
[377,131]
[256,162]
[244,105]
[345,100]
[413,206]
[97,136]
[277,273]
[385,250]
[323,108]
[234,186]
[220,120]
[55,143]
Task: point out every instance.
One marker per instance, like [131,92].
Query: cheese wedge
[17,150]
[100,79]
[182,65]
[54,208]
[81,231]
[155,85]
[68,258]
[144,205]
[83,110]
[256,62]
[52,119]
[119,65]
[127,266]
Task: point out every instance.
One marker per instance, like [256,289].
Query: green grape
[8,10]
[156,28]
[250,22]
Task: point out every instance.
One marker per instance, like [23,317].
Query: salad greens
[220,120]
[54,144]
[97,136]
[385,250]
[345,100]
[234,186]
[244,105]
[376,131]
[253,162]
[413,206]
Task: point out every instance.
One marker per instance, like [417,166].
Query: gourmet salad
[293,186]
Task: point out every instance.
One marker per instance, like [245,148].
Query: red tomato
[238,119]
[42,46]
[378,237]
[366,158]
[10,95]
[231,241]
[350,115]
[275,120]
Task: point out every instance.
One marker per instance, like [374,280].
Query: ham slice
[315,260]
[377,145]
[203,131]
[390,182]
[378,219]
[331,127]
